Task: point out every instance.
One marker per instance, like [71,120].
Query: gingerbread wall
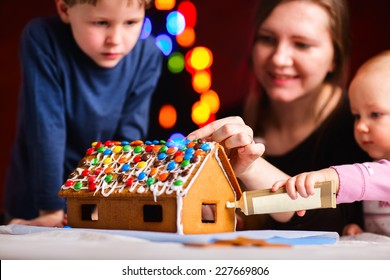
[223,26]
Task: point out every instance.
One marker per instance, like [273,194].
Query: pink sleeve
[364,181]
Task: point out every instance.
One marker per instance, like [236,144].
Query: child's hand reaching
[303,184]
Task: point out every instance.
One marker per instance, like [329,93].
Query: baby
[369,95]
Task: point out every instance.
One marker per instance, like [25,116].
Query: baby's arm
[303,183]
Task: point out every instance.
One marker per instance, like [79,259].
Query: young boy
[369,95]
[86,77]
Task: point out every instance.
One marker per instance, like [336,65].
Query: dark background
[224,26]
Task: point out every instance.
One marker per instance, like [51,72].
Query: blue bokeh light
[164,43]
[175,23]
[177,137]
[146,28]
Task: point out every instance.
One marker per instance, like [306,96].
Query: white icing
[179,205]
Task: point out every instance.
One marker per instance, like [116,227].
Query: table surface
[24,242]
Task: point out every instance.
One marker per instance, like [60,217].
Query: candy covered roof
[127,168]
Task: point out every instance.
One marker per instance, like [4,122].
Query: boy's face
[105,32]
[369,95]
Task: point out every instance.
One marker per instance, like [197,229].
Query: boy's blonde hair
[146,3]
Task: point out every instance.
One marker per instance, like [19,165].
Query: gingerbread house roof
[158,168]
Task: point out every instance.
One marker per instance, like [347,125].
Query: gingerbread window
[209,212]
[89,212]
[153,213]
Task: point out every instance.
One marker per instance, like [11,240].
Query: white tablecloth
[24,242]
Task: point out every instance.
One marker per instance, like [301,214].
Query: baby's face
[108,31]
[369,95]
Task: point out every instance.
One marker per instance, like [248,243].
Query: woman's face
[293,51]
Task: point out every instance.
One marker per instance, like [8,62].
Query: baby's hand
[303,184]
[299,184]
[291,189]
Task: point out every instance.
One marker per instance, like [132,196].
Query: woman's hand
[237,139]
[244,154]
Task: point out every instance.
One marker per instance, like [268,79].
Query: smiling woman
[299,56]
[291,57]
[294,62]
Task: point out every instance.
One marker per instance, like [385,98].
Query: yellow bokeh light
[201,81]
[200,113]
[201,58]
[168,116]
[186,38]
[164,4]
[211,98]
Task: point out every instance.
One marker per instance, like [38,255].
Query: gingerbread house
[167,186]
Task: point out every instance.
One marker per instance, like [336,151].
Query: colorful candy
[146,165]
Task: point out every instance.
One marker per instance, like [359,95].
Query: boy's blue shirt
[66,102]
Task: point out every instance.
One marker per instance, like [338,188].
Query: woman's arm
[245,155]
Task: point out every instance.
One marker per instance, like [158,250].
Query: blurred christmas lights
[176,62]
[175,23]
[165,4]
[146,29]
[164,42]
[167,116]
[180,27]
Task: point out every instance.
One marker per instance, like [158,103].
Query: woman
[299,59]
